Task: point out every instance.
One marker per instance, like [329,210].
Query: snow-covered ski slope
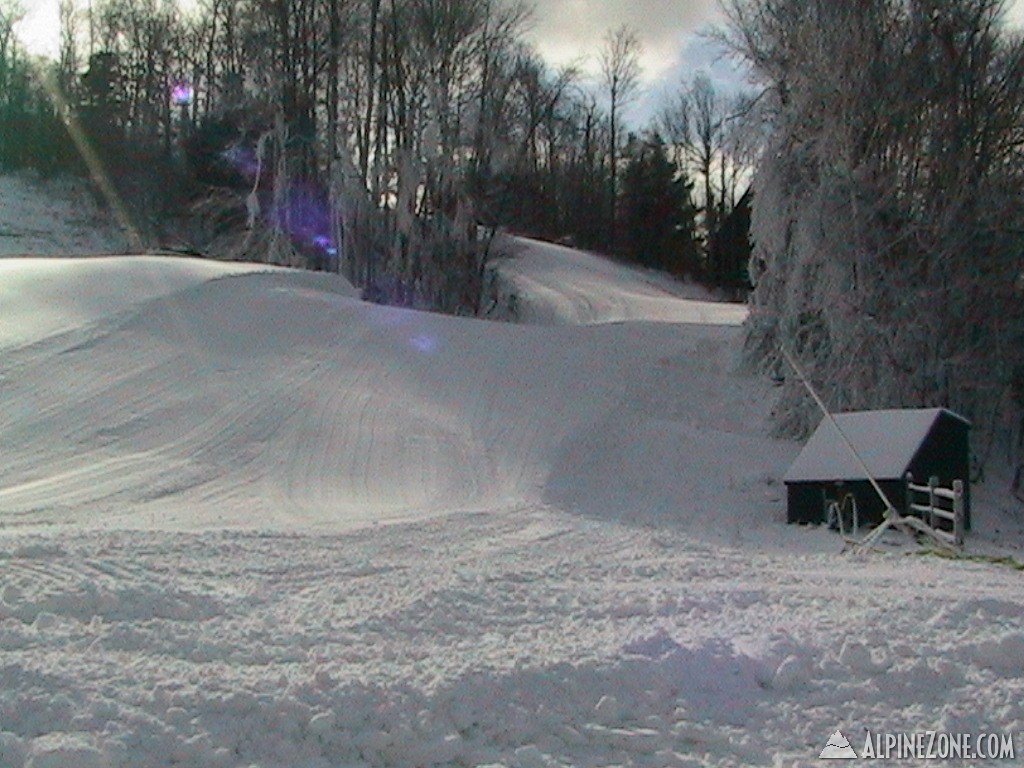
[144,392]
[583,562]
[54,217]
[554,284]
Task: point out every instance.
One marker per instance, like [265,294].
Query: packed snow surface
[249,520]
[551,284]
[41,297]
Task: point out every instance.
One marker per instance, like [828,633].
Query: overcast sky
[573,30]
[568,28]
[567,31]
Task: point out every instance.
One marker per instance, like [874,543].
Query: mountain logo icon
[838,748]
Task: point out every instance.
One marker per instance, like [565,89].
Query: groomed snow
[41,297]
[279,400]
[552,284]
[249,520]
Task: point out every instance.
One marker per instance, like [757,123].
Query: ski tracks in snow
[269,399]
[486,624]
[552,284]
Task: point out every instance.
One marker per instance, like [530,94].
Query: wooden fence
[944,509]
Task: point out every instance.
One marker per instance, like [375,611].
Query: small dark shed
[927,442]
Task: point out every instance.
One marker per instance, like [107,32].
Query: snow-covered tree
[887,226]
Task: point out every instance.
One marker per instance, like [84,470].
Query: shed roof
[887,441]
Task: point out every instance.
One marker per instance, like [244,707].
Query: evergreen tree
[656,209]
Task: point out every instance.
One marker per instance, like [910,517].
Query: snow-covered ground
[551,284]
[54,217]
[248,520]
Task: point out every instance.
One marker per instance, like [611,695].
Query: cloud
[572,30]
[1015,15]
[37,30]
[695,54]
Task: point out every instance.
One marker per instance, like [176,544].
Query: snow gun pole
[891,515]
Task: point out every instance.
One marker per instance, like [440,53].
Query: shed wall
[943,452]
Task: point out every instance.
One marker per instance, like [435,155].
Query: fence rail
[943,504]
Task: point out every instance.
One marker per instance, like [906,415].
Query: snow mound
[40,297]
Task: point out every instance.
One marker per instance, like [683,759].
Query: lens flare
[424,343]
[92,161]
[182,94]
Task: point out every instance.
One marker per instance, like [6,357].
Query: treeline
[380,138]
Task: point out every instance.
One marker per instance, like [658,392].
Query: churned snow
[248,520]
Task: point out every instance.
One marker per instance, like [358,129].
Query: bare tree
[711,138]
[70,59]
[10,13]
[707,116]
[620,69]
[373,132]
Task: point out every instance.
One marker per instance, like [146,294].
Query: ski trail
[554,285]
[277,400]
